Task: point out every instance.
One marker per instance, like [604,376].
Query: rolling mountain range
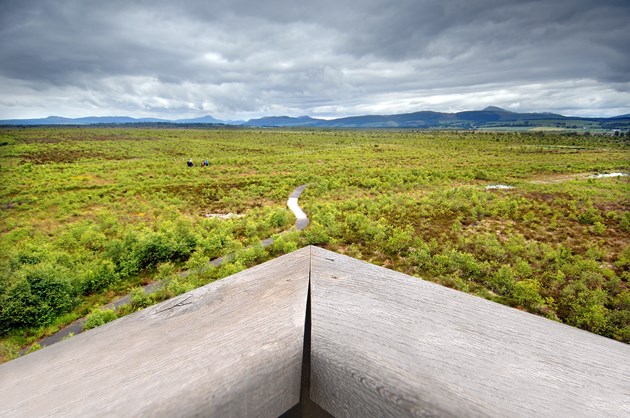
[93,120]
[490,117]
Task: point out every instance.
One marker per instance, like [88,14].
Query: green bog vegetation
[89,214]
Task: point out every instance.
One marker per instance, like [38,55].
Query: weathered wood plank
[231,349]
[386,344]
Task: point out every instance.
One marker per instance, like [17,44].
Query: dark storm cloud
[241,58]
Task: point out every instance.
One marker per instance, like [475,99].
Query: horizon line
[327,118]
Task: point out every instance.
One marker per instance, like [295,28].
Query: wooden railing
[315,333]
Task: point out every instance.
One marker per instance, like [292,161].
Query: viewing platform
[315,333]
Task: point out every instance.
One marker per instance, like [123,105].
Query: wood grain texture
[386,344]
[382,344]
[231,349]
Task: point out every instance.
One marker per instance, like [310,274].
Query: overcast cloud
[240,59]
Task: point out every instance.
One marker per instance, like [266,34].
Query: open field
[89,214]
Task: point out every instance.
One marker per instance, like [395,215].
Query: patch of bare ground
[502,228]
[558,178]
[562,177]
[569,233]
[605,207]
[211,198]
[228,215]
[64,156]
[60,137]
[546,197]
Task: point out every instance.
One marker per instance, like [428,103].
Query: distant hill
[203,119]
[285,121]
[93,120]
[490,117]
[495,114]
[405,120]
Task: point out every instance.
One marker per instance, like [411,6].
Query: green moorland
[89,214]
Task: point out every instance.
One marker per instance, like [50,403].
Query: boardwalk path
[76,327]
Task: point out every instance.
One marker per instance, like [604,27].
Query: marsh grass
[90,213]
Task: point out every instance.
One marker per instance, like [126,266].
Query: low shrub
[99,317]
[37,295]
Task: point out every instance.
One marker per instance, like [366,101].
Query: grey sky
[239,59]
